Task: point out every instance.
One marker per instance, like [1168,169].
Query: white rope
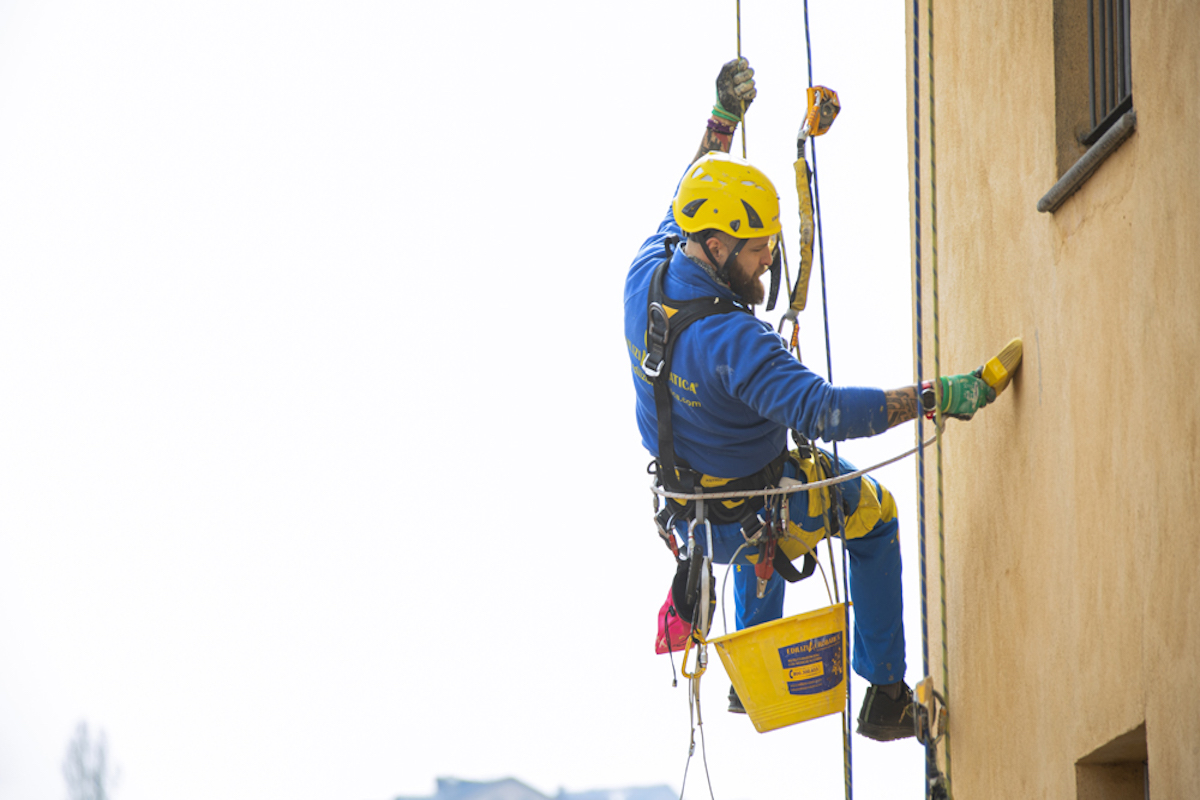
[744,545]
[802,487]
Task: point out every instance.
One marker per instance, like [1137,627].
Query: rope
[742,103]
[931,770]
[694,684]
[697,722]
[729,568]
[937,372]
[802,487]
[703,623]
[847,745]
[933,775]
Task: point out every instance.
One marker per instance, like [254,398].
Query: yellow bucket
[789,670]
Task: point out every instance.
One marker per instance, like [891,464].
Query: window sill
[1088,163]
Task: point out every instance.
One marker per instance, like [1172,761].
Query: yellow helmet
[726,193]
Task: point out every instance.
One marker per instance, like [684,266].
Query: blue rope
[930,749]
[937,374]
[835,493]
[918,324]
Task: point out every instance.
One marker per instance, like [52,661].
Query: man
[735,390]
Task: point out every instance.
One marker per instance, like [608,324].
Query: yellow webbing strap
[800,291]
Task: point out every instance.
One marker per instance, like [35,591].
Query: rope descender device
[931,714]
[699,585]
[823,108]
[930,722]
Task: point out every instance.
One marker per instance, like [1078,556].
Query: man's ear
[717,248]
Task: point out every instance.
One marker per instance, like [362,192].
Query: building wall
[1072,506]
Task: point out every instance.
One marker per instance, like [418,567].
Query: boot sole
[885,733]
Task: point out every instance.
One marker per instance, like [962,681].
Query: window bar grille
[1110,63]
[1127,73]
[1109,68]
[1114,29]
[1104,56]
[1092,62]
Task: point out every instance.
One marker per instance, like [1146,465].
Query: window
[1115,771]
[1110,81]
[1093,90]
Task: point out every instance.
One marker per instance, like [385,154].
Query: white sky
[319,476]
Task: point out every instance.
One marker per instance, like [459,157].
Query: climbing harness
[666,319]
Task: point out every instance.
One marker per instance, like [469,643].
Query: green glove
[735,90]
[962,395]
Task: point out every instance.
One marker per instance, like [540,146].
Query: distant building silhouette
[512,789]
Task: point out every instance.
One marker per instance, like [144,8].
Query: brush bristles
[999,371]
[1010,356]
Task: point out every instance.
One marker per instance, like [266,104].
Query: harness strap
[788,570]
[771,556]
[665,320]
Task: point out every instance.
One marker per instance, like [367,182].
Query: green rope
[937,372]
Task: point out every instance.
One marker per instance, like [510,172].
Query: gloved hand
[963,395]
[735,90]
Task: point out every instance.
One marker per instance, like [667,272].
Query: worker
[735,390]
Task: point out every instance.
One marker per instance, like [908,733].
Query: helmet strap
[730,260]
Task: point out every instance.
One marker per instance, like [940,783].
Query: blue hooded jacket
[735,387]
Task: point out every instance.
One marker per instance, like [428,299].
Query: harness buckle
[658,325]
[651,372]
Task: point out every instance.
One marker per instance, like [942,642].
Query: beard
[749,288]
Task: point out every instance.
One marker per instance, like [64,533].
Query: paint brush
[998,372]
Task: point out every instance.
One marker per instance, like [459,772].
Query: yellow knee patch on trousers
[875,504]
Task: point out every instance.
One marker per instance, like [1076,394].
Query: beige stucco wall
[1072,506]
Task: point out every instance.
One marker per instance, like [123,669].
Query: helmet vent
[752,216]
[691,208]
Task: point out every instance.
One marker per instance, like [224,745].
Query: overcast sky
[319,476]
